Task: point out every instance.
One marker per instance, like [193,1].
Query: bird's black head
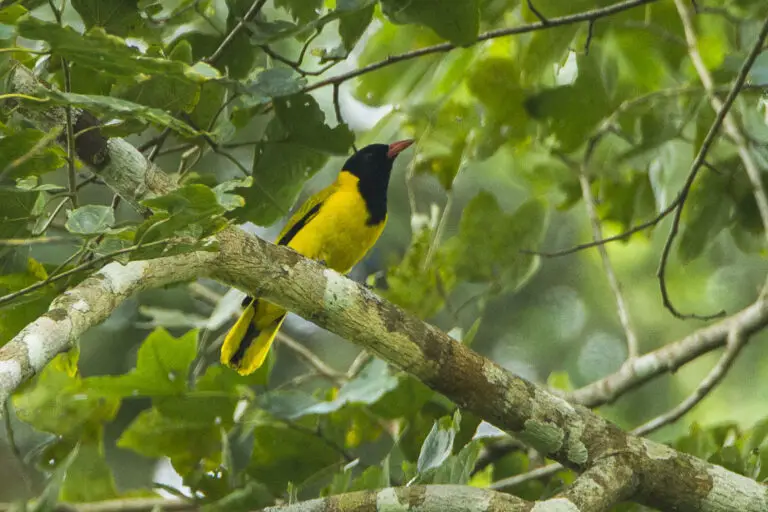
[373,163]
[372,166]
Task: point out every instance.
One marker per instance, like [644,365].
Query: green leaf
[494,81]
[186,441]
[169,93]
[231,201]
[89,477]
[572,111]
[443,132]
[118,17]
[373,382]
[707,212]
[253,496]
[192,211]
[459,24]
[16,315]
[439,443]
[457,469]
[32,184]
[161,368]
[355,20]
[303,122]
[279,172]
[109,105]
[50,496]
[107,53]
[282,454]
[303,11]
[91,219]
[419,290]
[29,152]
[276,82]
[59,402]
[490,242]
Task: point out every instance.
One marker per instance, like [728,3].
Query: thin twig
[736,341]
[536,12]
[360,361]
[597,233]
[731,127]
[311,358]
[696,166]
[71,174]
[591,15]
[53,278]
[252,12]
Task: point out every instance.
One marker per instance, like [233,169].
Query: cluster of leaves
[237,449]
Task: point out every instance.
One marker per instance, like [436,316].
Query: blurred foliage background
[501,129]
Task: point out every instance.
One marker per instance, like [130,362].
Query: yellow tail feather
[248,342]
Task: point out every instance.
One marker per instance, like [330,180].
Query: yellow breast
[339,234]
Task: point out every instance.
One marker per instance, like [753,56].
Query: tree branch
[731,127]
[721,118]
[672,356]
[588,16]
[597,234]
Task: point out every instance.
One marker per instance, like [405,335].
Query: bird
[337,226]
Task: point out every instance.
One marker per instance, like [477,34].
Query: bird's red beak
[396,147]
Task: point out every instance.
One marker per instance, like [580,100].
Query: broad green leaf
[215,395]
[439,443]
[276,82]
[372,479]
[282,454]
[118,17]
[279,173]
[29,152]
[572,111]
[107,53]
[546,48]
[231,201]
[59,402]
[456,469]
[373,382]
[494,81]
[32,184]
[186,441]
[109,105]
[459,23]
[161,368]
[303,122]
[91,219]
[191,211]
[443,132]
[303,11]
[353,23]
[89,477]
[759,72]
[49,497]
[169,93]
[26,308]
[707,212]
[490,242]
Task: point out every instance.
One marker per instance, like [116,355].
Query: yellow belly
[338,234]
